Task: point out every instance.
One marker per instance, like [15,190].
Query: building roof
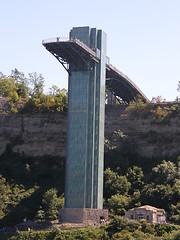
[147,207]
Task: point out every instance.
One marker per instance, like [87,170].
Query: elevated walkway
[73,50]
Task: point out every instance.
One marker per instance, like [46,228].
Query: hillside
[141,162]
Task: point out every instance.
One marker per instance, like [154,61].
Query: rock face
[34,135]
[149,139]
[45,134]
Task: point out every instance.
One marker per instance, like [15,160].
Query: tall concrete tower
[85,141]
[84,57]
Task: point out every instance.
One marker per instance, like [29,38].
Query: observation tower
[83,56]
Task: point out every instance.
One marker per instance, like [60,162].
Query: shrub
[146,227]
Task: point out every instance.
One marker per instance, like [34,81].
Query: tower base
[82,215]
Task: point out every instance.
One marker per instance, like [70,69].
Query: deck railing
[56,39]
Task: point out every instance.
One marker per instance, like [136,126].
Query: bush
[138,107]
[119,223]
[146,227]
[161,229]
[86,233]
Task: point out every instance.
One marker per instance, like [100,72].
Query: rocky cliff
[34,135]
[45,134]
[150,139]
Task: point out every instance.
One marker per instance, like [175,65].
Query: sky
[143,39]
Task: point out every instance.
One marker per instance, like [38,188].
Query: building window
[131,217]
[140,216]
[148,218]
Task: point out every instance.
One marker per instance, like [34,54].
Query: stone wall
[83,215]
[45,134]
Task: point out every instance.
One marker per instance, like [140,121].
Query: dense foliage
[131,181]
[29,188]
[27,94]
[159,110]
[119,228]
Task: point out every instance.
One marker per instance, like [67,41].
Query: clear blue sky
[143,38]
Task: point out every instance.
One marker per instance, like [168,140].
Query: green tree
[137,106]
[61,100]
[136,177]
[158,195]
[118,204]
[135,199]
[14,96]
[113,183]
[158,99]
[51,204]
[54,90]
[37,83]
[4,196]
[165,173]
[21,83]
[175,213]
[40,215]
[7,86]
[145,227]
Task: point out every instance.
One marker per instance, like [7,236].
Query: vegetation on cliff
[30,188]
[159,111]
[27,94]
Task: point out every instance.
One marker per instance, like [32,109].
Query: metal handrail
[84,46]
[110,66]
[65,39]
[56,39]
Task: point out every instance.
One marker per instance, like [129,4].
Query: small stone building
[149,213]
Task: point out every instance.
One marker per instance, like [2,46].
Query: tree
[135,176]
[51,204]
[21,83]
[113,183]
[7,86]
[138,106]
[40,215]
[175,213]
[37,83]
[118,204]
[54,90]
[4,195]
[164,173]
[158,99]
[157,195]
[61,100]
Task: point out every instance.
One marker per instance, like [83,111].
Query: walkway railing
[75,40]
[53,40]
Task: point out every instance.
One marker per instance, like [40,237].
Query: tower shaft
[85,140]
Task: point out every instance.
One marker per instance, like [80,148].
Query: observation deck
[75,51]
